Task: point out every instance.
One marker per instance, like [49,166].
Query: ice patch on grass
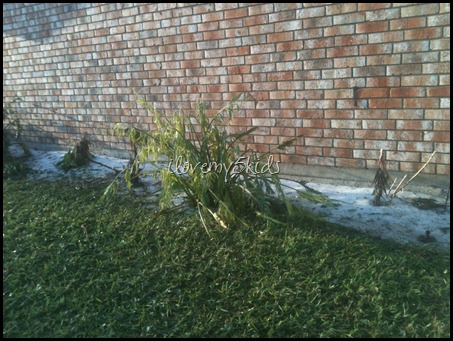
[399,220]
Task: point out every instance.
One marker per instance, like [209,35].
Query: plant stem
[101,164]
[418,172]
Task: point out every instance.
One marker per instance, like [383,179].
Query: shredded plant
[79,156]
[207,167]
[13,165]
[381,181]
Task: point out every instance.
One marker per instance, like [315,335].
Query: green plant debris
[13,166]
[207,166]
[79,156]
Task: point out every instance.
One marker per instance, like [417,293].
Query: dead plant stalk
[400,187]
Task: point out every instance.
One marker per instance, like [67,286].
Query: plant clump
[79,156]
[207,165]
[381,181]
[13,163]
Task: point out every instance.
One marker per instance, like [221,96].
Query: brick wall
[76,67]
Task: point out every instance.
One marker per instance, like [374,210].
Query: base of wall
[430,184]
[423,183]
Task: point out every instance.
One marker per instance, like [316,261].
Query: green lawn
[75,268]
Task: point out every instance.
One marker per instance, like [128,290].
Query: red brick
[356,39]
[197,9]
[212,16]
[236,13]
[311,132]
[375,26]
[255,21]
[241,121]
[407,92]
[290,45]
[424,80]
[310,114]
[266,122]
[403,135]
[407,23]
[289,121]
[442,147]
[238,51]
[283,132]
[318,142]
[370,134]
[280,76]
[440,91]
[372,93]
[443,169]
[240,87]
[279,37]
[414,124]
[231,79]
[338,114]
[289,85]
[442,125]
[205,26]
[339,133]
[319,43]
[349,62]
[415,146]
[385,103]
[310,94]
[403,114]
[290,25]
[299,159]
[264,86]
[321,104]
[378,124]
[368,155]
[313,123]
[382,82]
[314,64]
[413,167]
[346,124]
[420,10]
[402,156]
[371,6]
[384,59]
[282,95]
[283,114]
[375,49]
[338,30]
[385,37]
[341,8]
[342,51]
[337,94]
[257,113]
[236,32]
[424,103]
[238,70]
[423,33]
[265,139]
[439,114]
[337,152]
[438,158]
[259,148]
[436,68]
